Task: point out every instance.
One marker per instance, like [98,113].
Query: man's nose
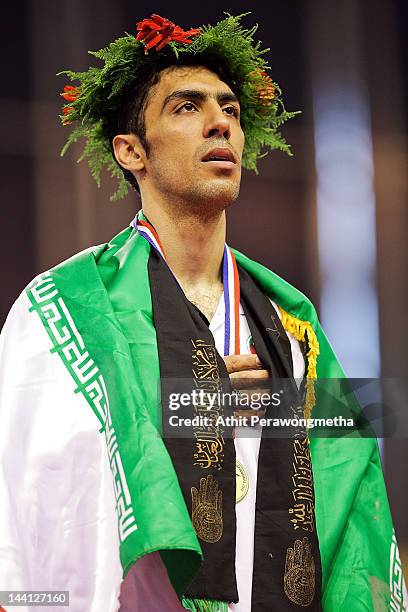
[217,124]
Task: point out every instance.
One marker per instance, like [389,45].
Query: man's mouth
[220,156]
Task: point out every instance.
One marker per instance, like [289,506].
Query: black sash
[287,570]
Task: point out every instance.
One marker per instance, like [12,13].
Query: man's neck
[193,245]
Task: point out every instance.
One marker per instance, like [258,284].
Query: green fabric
[204,605]
[353,518]
[103,315]
[106,291]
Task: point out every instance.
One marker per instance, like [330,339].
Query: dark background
[51,208]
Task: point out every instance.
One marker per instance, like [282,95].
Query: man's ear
[129,152]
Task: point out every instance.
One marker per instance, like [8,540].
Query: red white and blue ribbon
[230,280]
[147,230]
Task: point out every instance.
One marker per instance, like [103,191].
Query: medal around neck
[242,481]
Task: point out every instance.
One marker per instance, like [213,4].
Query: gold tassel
[303,330]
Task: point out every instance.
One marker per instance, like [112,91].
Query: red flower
[157,31]
[70,93]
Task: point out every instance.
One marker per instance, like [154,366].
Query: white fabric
[247,443]
[58,524]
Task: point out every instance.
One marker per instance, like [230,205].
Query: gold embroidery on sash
[204,361]
[209,440]
[207,510]
[302,511]
[299,577]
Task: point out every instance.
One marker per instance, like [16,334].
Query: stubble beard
[204,197]
[212,195]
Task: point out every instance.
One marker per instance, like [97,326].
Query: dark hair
[131,119]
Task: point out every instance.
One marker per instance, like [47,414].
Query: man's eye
[188,106]
[232,110]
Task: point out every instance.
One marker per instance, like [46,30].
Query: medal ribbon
[293,582]
[230,280]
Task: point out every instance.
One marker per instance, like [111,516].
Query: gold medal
[242,481]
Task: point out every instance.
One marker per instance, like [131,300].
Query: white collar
[218,318]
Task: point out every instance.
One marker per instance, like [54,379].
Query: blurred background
[332,219]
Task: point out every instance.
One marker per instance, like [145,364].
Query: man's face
[195,138]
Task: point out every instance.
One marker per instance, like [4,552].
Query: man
[225,517]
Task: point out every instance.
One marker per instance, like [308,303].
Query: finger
[194,498]
[307,553]
[237,363]
[212,491]
[298,550]
[203,489]
[248,378]
[289,560]
[219,502]
[257,397]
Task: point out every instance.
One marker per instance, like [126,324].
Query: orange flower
[156,31]
[66,111]
[266,91]
[70,93]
